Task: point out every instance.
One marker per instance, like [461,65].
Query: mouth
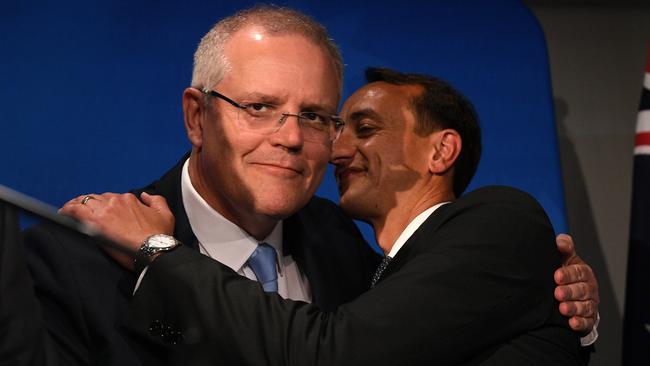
[280,169]
[343,175]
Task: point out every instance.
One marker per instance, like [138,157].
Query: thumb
[158,203]
[565,245]
[567,249]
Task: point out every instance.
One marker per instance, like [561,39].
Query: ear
[193,108]
[446,148]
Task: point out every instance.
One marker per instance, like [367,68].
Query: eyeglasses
[265,118]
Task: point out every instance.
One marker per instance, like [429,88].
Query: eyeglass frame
[339,124]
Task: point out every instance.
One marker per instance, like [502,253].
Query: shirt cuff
[137,284]
[591,338]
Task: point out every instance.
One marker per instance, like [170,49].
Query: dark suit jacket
[84,293]
[473,285]
[21,335]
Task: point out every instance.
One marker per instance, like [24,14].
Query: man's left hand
[577,288]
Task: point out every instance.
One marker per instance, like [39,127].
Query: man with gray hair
[261,123]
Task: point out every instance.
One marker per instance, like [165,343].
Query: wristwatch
[156,243]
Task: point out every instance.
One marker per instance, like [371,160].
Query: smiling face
[242,173]
[379,158]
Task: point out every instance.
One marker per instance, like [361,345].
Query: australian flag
[636,327]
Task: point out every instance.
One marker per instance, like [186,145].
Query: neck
[389,226]
[256,225]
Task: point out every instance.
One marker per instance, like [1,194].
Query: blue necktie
[262,262]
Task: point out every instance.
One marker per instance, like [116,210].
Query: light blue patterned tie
[262,262]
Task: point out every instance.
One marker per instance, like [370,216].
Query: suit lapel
[310,253]
[169,186]
[426,230]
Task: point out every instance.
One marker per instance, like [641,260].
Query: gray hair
[210,63]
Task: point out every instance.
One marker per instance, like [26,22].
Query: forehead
[381,98]
[280,64]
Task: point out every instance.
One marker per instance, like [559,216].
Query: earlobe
[446,148]
[192,114]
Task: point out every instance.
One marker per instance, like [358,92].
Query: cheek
[317,158]
[241,144]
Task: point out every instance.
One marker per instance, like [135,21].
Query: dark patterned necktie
[380,270]
[262,262]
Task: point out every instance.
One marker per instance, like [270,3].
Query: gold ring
[86,199]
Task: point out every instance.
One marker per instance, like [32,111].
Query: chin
[282,206]
[351,206]
[359,202]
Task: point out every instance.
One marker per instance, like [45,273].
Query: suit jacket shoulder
[498,245]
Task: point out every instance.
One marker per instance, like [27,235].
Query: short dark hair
[441,106]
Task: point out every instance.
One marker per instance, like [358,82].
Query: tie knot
[262,262]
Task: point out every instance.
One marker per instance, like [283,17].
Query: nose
[289,134]
[343,148]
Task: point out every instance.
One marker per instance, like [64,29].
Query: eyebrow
[312,107]
[275,100]
[364,113]
[261,97]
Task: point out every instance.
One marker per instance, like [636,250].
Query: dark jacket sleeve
[82,293]
[472,286]
[57,286]
[22,335]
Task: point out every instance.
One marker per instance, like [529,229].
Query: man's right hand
[123,218]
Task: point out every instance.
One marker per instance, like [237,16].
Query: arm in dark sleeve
[22,336]
[56,286]
[479,279]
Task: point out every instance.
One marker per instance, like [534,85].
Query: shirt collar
[411,228]
[220,238]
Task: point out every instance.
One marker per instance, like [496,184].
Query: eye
[365,129]
[312,117]
[314,120]
[259,109]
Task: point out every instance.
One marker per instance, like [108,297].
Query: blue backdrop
[91,91]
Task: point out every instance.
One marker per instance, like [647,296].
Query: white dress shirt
[227,243]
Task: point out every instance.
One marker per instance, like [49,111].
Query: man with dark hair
[465,280]
[440,106]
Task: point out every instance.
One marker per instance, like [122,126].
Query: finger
[146,198]
[565,245]
[68,206]
[582,325]
[158,203]
[77,210]
[582,309]
[573,274]
[76,200]
[567,250]
[91,201]
[574,292]
[129,199]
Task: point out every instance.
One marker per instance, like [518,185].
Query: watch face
[160,241]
